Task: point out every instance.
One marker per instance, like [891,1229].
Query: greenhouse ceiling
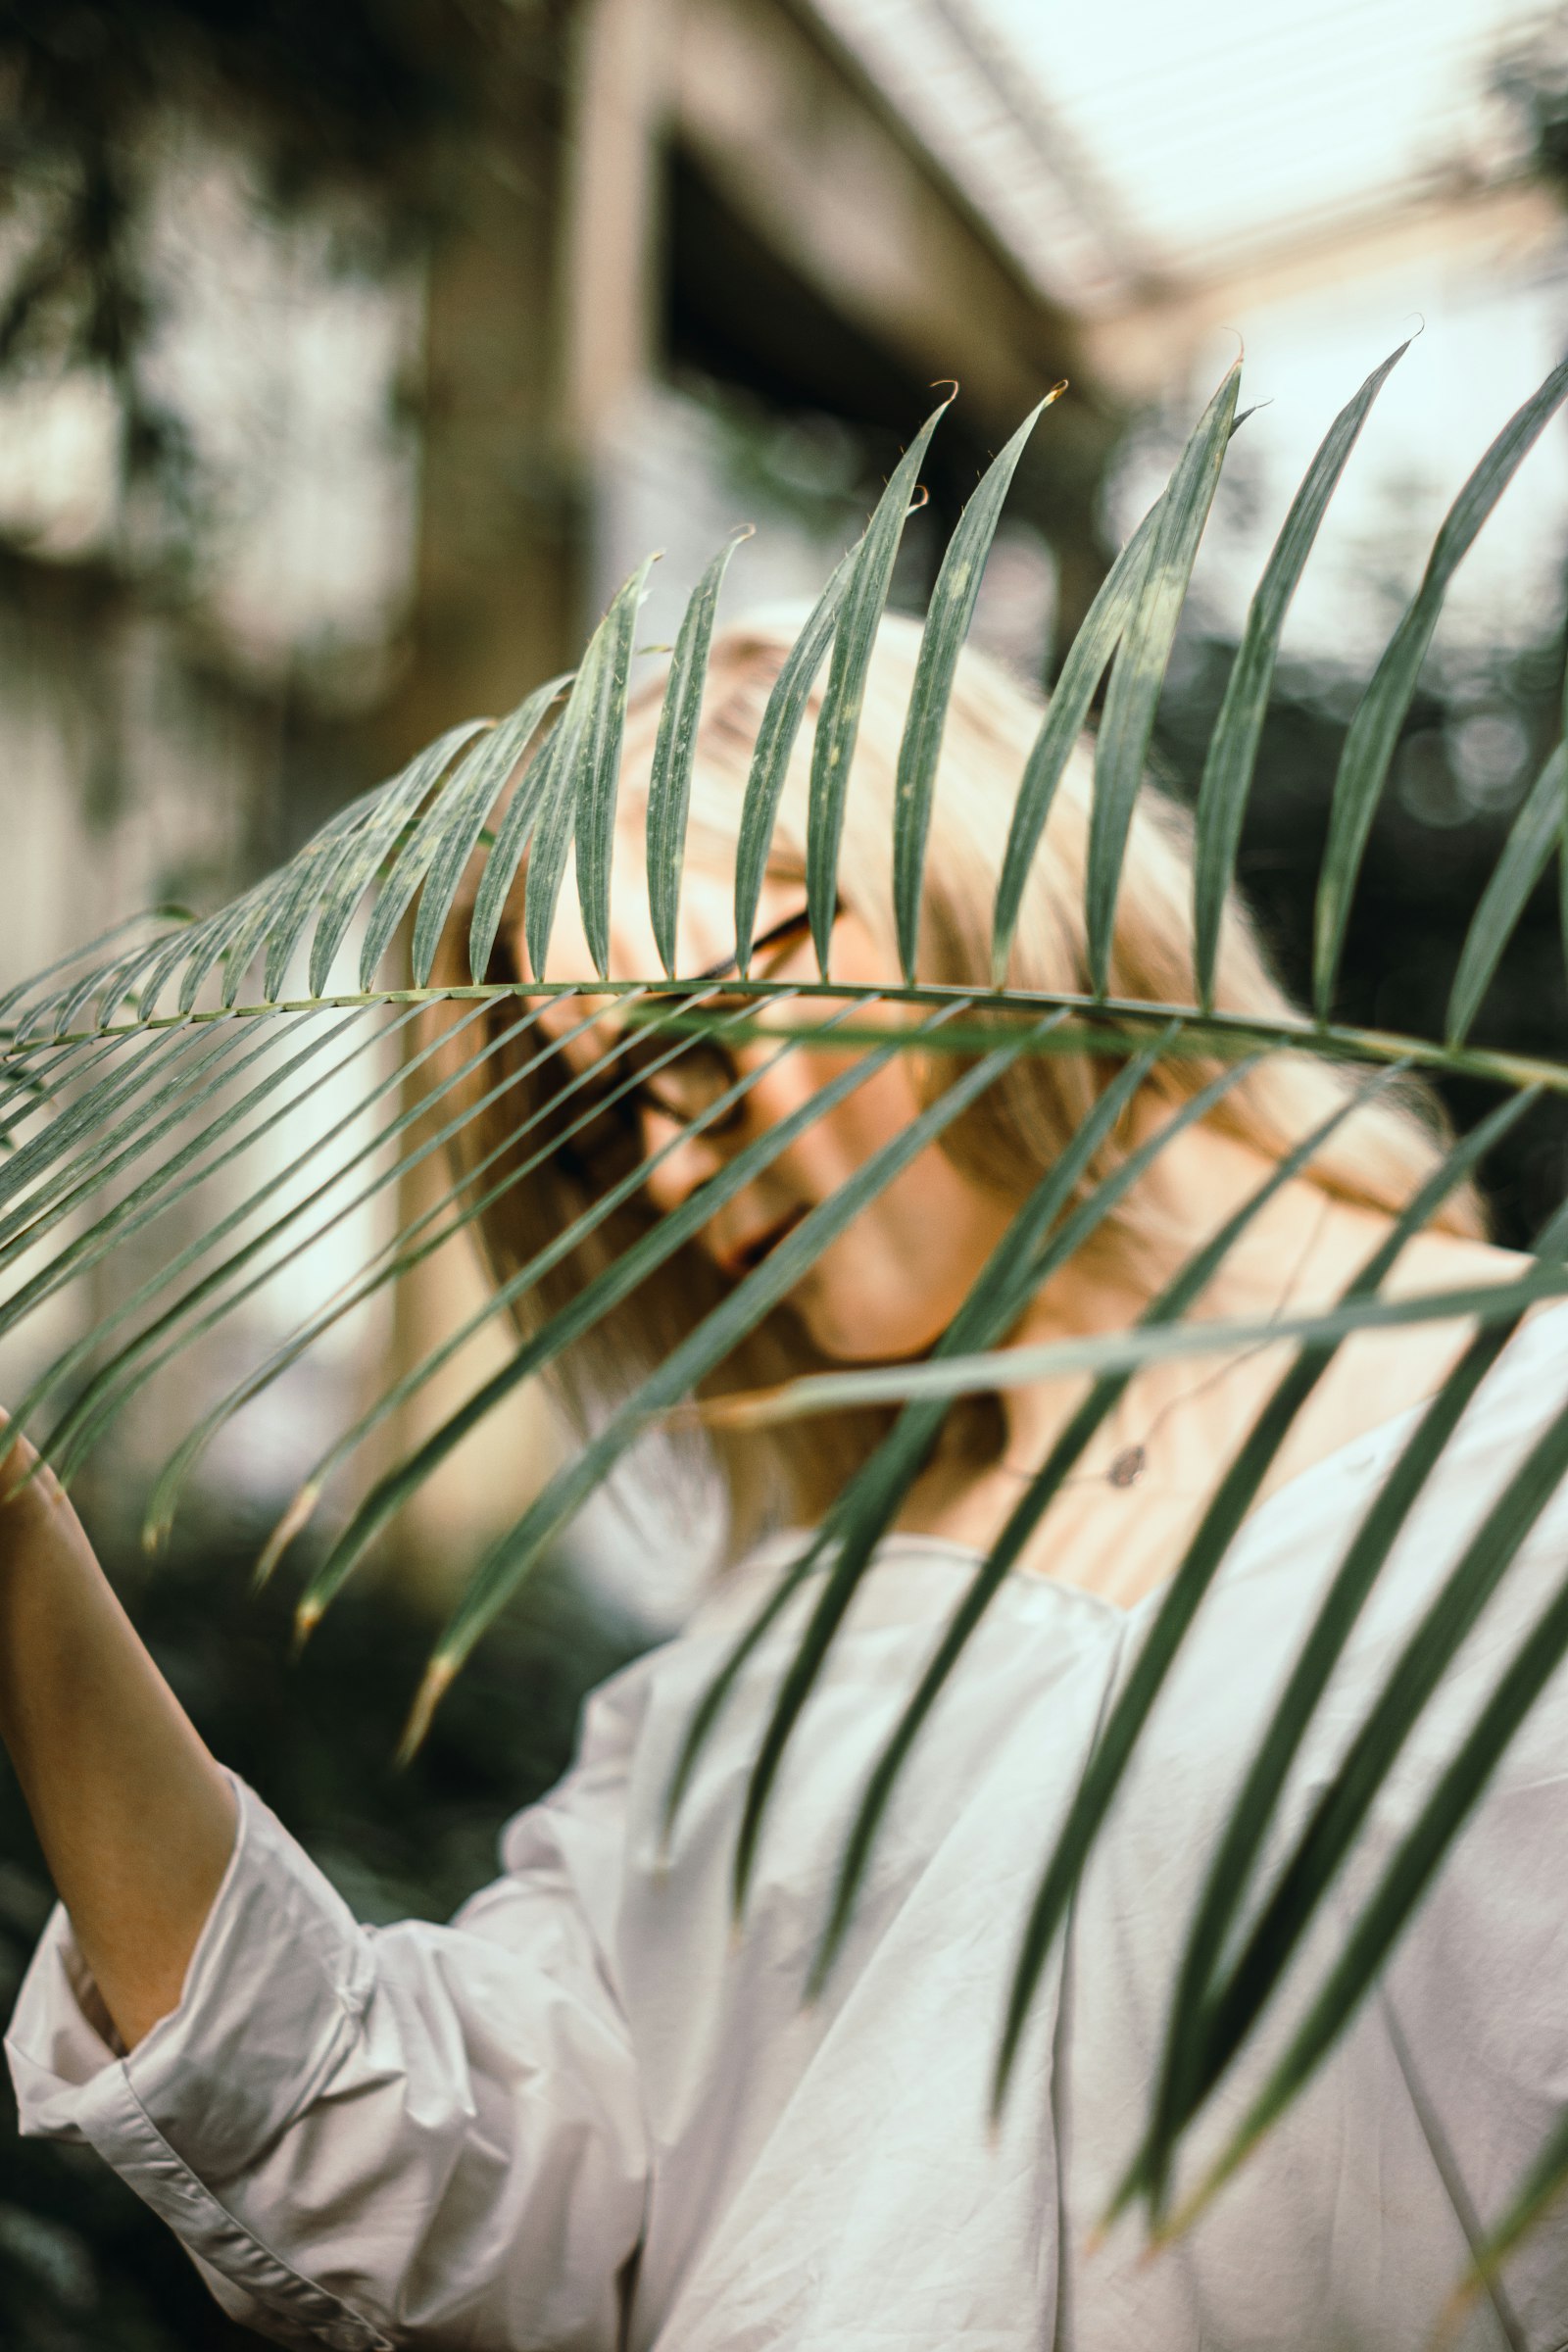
[1124,153]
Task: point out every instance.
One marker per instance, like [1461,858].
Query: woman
[585,2116]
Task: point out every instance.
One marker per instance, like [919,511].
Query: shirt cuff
[280,1973]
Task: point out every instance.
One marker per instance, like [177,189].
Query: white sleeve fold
[369,2137]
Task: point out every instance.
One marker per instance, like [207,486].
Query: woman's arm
[136,1817]
[384,2140]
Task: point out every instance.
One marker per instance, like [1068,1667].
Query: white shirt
[582,2116]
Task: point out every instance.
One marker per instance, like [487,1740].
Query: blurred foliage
[84,2267]
[1533,81]
[356,99]
[1477,735]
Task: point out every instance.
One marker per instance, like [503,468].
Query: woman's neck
[1118,1536]
[1296,1248]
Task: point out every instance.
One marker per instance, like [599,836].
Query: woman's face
[893,1280]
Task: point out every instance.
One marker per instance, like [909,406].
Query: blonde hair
[1376,1159]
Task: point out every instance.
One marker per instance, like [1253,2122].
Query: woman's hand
[136,1818]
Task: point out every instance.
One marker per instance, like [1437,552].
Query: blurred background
[349,358]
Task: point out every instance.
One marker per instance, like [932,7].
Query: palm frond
[947,625]
[1233,1498]
[1086,661]
[1182,2083]
[1534,834]
[1023,1261]
[712,1340]
[144,1094]
[865,596]
[669,782]
[1233,747]
[776,738]
[1170,1304]
[1374,730]
[1324,1841]
[216,1294]
[164,1189]
[1138,666]
[1130,1349]
[506,850]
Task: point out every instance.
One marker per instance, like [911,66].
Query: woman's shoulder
[1041,1645]
[613,1816]
[749,1630]
[1479,1548]
[1516,1399]
[747,1627]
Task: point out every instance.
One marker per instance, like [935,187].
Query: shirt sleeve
[376,2137]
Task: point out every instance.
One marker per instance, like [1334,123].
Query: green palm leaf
[863,1513]
[209,1299]
[1129,1349]
[1171,1304]
[1183,2078]
[1374,731]
[865,595]
[458,819]
[1233,1498]
[670,782]
[775,740]
[506,852]
[1138,668]
[1233,746]
[165,1188]
[299,898]
[125,1120]
[615,1283]
[451,1213]
[1536,832]
[595,789]
[360,860]
[714,1337]
[1389,1908]
[1088,658]
[95,1144]
[947,625]
[13,998]
[1004,1288]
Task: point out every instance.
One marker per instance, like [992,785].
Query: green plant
[102,1083]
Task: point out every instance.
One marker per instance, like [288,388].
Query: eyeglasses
[681,1081]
